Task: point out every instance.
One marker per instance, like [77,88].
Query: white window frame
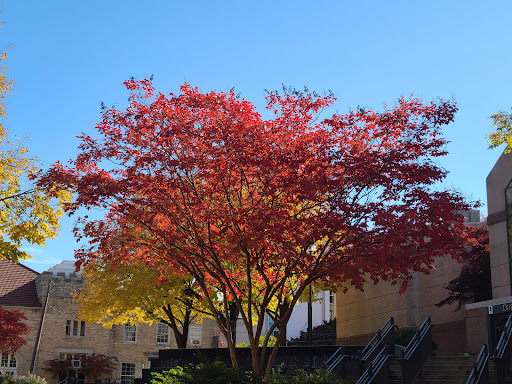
[128,378]
[130,334]
[9,365]
[194,335]
[162,334]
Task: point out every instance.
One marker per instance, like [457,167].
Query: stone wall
[62,307]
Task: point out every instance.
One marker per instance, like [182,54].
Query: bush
[301,376]
[6,379]
[218,373]
[30,379]
[404,336]
[214,373]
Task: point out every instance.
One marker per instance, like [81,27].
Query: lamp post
[310,315]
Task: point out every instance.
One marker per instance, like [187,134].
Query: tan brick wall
[360,314]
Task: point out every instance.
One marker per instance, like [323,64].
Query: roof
[17,285]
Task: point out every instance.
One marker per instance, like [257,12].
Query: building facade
[360,314]
[57,333]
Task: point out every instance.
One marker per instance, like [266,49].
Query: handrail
[378,336]
[334,358]
[384,336]
[503,352]
[417,352]
[480,372]
[373,373]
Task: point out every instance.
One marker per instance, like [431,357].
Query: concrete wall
[497,181]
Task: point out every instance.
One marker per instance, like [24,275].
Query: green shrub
[218,373]
[30,379]
[301,376]
[404,336]
[205,372]
[6,379]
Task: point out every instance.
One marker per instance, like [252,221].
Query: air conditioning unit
[194,342]
[76,363]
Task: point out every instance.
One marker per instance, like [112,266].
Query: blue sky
[69,56]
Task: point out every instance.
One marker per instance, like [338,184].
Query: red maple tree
[12,328]
[92,366]
[474,281]
[257,209]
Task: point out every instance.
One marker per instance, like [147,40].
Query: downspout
[39,332]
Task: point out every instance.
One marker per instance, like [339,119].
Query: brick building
[57,333]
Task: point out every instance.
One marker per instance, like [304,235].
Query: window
[332,309]
[130,333]
[194,335]
[127,373]
[162,334]
[75,328]
[275,332]
[8,365]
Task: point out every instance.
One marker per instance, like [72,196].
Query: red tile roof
[17,285]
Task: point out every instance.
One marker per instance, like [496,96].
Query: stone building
[57,333]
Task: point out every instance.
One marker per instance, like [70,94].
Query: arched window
[8,365]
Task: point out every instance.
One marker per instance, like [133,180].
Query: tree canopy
[474,281]
[503,132]
[257,209]
[132,293]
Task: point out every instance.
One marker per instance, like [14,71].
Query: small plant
[404,336]
[301,376]
[29,379]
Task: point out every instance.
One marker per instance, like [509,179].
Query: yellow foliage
[132,294]
[26,215]
[503,132]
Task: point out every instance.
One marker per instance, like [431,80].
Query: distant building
[57,333]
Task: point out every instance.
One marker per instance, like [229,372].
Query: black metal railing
[503,353]
[480,372]
[377,370]
[385,336]
[417,352]
[352,365]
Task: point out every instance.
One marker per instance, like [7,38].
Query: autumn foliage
[256,209]
[12,329]
[474,281]
[93,366]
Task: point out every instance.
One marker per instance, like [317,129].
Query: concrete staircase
[446,369]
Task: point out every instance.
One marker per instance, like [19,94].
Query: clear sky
[69,56]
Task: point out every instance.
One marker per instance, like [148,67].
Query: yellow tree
[132,293]
[27,214]
[503,132]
